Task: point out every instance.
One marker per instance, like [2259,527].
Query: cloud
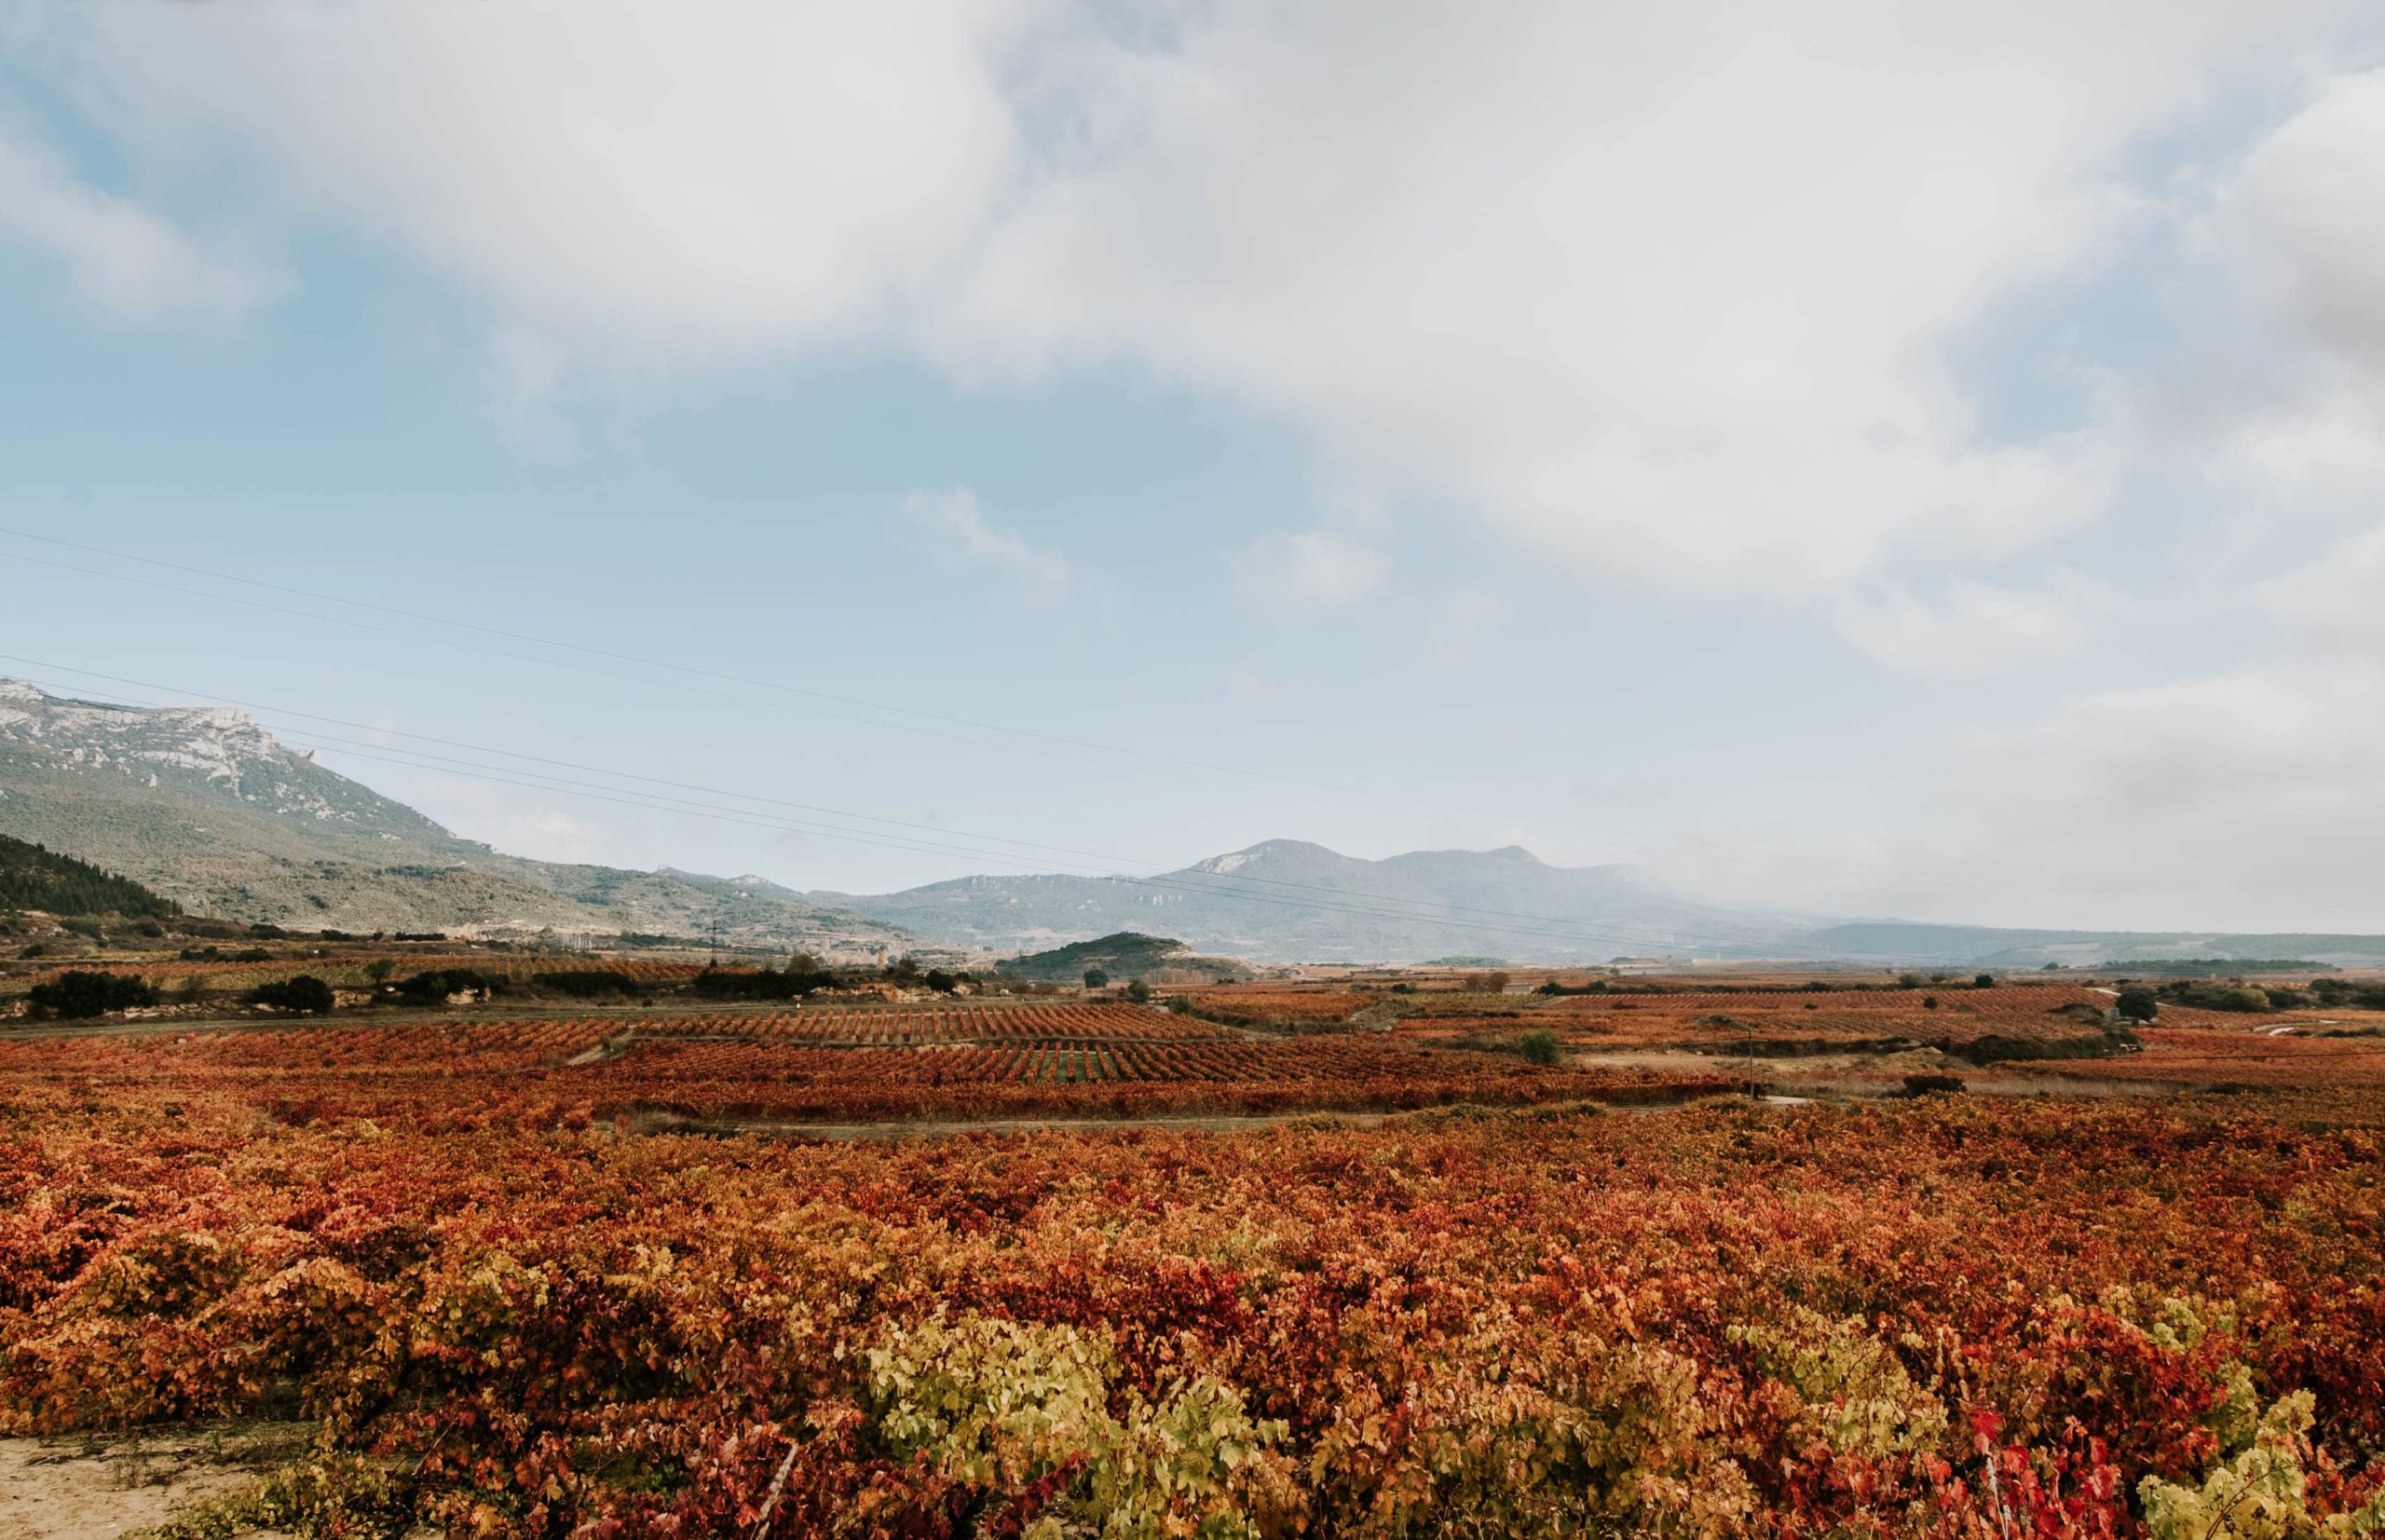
[957,534]
[2246,801]
[2338,601]
[1312,570]
[1977,628]
[124,262]
[2209,798]
[2290,419]
[706,182]
[1655,289]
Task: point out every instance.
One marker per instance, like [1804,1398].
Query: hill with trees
[1123,957]
[33,877]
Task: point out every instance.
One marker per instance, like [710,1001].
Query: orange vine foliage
[1940,1317]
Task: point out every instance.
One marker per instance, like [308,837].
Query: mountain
[1127,955]
[1290,900]
[210,810]
[32,878]
[205,808]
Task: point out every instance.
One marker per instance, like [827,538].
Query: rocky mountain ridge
[205,806]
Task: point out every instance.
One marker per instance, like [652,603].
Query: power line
[1203,770]
[972,724]
[1425,908]
[1221,885]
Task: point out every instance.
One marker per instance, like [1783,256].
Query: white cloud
[1668,291]
[691,181]
[2336,602]
[124,262]
[956,533]
[1314,569]
[2211,799]
[2290,413]
[1978,628]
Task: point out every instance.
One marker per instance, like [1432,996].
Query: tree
[2139,1004]
[1138,991]
[1984,981]
[1908,981]
[305,994]
[1097,978]
[89,994]
[1538,1046]
[380,968]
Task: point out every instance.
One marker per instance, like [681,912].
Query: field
[569,1274]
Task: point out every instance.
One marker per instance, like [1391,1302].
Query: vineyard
[1942,1318]
[621,1274]
[837,1065]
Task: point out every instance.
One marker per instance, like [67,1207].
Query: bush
[305,994]
[1097,978]
[2340,993]
[1538,1046]
[83,994]
[433,986]
[1984,981]
[761,984]
[1926,1085]
[2139,1004]
[1928,1003]
[1138,991]
[2214,997]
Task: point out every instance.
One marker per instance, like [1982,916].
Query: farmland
[1366,1271]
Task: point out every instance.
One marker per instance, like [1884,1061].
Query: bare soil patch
[101,1488]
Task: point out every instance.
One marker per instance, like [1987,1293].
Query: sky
[1851,457]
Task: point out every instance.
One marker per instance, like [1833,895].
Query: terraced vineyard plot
[1261,1004]
[472,1074]
[1957,1017]
[915,1026]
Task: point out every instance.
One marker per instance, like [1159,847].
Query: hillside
[32,878]
[207,808]
[1124,956]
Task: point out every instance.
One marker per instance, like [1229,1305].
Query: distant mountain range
[1289,899]
[208,808]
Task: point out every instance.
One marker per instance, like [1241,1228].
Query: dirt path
[668,1123]
[100,1489]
